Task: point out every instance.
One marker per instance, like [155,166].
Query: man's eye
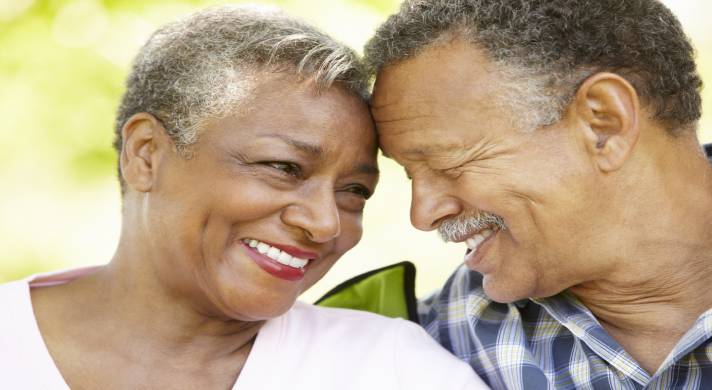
[452,173]
[287,168]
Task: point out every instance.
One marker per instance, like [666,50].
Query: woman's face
[271,198]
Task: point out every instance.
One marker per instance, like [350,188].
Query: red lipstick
[273,267]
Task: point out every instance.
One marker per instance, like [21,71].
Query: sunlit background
[62,68]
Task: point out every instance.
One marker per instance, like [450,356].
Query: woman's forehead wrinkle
[311,149]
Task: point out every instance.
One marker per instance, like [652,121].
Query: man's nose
[431,203]
[315,213]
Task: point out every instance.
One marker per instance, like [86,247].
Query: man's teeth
[276,254]
[475,241]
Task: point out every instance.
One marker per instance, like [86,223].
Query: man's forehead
[418,144]
[434,85]
[438,64]
[401,81]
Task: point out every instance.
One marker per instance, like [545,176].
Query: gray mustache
[464,225]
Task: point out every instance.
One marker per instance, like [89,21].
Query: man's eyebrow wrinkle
[405,118]
[425,150]
[421,151]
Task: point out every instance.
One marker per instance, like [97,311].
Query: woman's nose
[316,213]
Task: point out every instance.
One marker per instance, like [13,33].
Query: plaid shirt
[552,343]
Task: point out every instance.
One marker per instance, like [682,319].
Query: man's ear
[144,141]
[609,107]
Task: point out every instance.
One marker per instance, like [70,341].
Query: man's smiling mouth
[476,240]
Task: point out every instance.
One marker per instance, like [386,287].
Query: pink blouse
[307,348]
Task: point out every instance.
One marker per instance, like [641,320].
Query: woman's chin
[258,304]
[245,291]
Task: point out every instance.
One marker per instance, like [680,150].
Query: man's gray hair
[201,67]
[546,48]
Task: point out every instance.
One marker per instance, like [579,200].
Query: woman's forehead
[330,125]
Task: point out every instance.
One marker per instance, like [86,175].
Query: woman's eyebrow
[308,148]
[318,151]
[367,169]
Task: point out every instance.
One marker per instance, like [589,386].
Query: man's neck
[659,256]
[668,304]
[661,262]
[648,319]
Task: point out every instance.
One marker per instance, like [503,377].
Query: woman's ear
[144,141]
[608,106]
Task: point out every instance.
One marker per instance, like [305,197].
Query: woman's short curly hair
[201,67]
[548,47]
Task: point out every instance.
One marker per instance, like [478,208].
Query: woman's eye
[360,191]
[288,168]
[346,200]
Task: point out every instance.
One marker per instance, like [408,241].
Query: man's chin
[503,292]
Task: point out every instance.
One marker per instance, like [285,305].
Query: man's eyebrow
[305,147]
[420,151]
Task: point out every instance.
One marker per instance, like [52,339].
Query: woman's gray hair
[202,67]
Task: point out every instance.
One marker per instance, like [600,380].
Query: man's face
[283,180]
[441,115]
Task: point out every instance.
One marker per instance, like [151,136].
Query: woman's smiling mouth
[284,262]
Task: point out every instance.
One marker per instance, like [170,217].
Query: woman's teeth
[475,241]
[276,254]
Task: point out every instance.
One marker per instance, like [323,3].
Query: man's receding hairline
[546,48]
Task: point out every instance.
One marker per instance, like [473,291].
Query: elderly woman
[246,156]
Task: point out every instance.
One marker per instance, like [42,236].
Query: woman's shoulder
[15,304]
[332,313]
[335,320]
[393,352]
[24,359]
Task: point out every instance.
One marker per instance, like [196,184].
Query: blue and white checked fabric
[552,343]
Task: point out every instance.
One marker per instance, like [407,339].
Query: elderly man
[556,139]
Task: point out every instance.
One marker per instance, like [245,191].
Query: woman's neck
[160,320]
